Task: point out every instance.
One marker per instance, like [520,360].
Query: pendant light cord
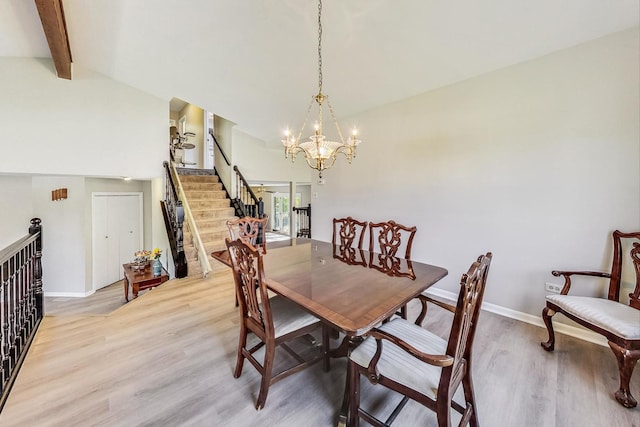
[319,47]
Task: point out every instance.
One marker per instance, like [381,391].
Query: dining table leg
[344,350]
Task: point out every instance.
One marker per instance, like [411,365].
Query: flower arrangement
[156,253]
[141,257]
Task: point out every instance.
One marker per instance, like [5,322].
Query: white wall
[90,125]
[63,241]
[16,209]
[538,162]
[258,162]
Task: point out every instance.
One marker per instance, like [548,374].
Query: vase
[157,267]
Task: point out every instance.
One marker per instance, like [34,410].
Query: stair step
[218,213]
[202,186]
[204,179]
[205,195]
[199,205]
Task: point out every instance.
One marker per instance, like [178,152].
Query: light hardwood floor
[166,359]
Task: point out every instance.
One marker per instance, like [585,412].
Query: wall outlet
[553,287]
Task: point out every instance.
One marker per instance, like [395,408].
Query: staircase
[211,209]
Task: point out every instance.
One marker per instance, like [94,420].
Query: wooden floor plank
[167,359]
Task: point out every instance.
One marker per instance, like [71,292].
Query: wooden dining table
[349,289]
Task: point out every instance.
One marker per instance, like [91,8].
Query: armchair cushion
[617,318]
[398,365]
[288,316]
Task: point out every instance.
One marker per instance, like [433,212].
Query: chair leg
[267,368]
[547,314]
[353,390]
[470,397]
[242,343]
[443,411]
[627,360]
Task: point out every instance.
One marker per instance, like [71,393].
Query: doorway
[281,212]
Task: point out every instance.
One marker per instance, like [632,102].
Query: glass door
[280,213]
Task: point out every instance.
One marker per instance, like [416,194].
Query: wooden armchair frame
[625,348]
[455,361]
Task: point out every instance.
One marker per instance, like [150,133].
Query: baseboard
[562,328]
[69,294]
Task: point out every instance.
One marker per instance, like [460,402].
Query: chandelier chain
[319,47]
[320,153]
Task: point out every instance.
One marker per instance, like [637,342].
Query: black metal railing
[303,221]
[173,214]
[246,203]
[21,303]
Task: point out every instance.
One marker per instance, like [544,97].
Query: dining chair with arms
[617,321]
[347,230]
[274,321]
[405,357]
[387,241]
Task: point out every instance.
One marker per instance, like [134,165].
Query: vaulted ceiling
[254,62]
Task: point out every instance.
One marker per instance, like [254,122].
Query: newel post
[36,228]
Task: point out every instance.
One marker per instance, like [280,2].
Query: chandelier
[320,152]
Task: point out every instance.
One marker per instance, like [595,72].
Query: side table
[140,280]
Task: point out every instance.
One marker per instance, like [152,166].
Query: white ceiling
[254,62]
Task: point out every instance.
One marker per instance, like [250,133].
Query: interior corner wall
[538,163]
[88,126]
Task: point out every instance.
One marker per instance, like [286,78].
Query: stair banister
[173,213]
[203,257]
[21,303]
[246,203]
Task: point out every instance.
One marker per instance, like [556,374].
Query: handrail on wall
[224,155]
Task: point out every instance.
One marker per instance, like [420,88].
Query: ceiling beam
[55,29]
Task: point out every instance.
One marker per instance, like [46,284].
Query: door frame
[95,194]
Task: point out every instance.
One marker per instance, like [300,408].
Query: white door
[117,234]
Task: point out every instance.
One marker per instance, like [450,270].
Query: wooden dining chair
[392,239]
[610,317]
[418,364]
[274,321]
[387,241]
[347,230]
[250,230]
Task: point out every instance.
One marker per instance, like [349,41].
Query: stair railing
[303,221]
[203,257]
[246,203]
[21,303]
[173,213]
